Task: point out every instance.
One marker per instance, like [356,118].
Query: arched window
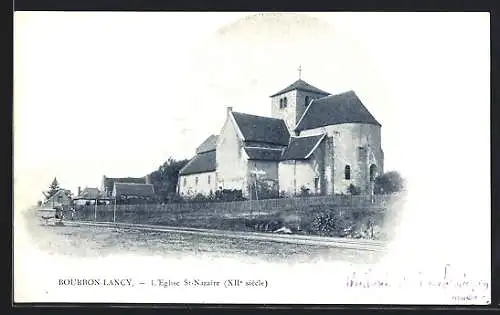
[285,101]
[373,172]
[196,180]
[185,181]
[307,101]
[347,172]
[281,103]
[209,179]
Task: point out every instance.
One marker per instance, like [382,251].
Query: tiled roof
[109,181]
[335,109]
[263,154]
[301,85]
[89,192]
[132,189]
[208,145]
[200,163]
[262,129]
[300,147]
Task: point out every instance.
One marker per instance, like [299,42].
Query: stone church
[314,142]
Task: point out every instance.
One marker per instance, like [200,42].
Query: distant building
[89,195]
[60,198]
[133,191]
[107,184]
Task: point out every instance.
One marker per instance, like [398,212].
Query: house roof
[300,148]
[133,189]
[63,192]
[200,163]
[109,181]
[262,129]
[263,154]
[335,109]
[90,192]
[208,145]
[301,85]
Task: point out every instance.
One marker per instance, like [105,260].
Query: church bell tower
[291,102]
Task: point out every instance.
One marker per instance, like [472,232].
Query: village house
[62,198]
[89,196]
[107,183]
[133,192]
[314,141]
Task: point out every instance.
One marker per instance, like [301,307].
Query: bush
[353,190]
[175,198]
[329,224]
[229,195]
[304,191]
[389,183]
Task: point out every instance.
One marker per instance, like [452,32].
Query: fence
[244,215]
[102,212]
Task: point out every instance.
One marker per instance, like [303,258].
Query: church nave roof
[262,129]
[335,109]
[300,148]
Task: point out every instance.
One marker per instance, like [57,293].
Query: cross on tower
[300,71]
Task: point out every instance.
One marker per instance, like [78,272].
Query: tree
[389,183]
[165,178]
[53,189]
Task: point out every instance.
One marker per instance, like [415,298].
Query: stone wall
[293,175]
[356,145]
[231,160]
[193,184]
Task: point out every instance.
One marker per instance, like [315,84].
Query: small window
[373,172]
[185,181]
[347,172]
[209,179]
[285,101]
[196,180]
[307,101]
[281,103]
[316,183]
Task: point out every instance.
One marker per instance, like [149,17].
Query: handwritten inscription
[460,285]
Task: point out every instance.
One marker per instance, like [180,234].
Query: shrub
[304,191]
[329,224]
[175,198]
[229,195]
[353,190]
[389,183]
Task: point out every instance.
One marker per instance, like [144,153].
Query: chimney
[79,190]
[229,109]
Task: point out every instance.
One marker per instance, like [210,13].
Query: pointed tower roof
[302,86]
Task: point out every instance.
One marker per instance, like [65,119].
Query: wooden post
[114,212]
[95,211]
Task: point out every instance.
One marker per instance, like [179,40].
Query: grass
[344,221]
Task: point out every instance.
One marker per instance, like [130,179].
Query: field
[312,216]
[88,241]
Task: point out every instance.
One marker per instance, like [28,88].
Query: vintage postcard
[252,158]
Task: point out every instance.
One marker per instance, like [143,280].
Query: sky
[117,93]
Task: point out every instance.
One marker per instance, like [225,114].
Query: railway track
[368,245]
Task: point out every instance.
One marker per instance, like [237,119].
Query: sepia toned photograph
[252,158]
